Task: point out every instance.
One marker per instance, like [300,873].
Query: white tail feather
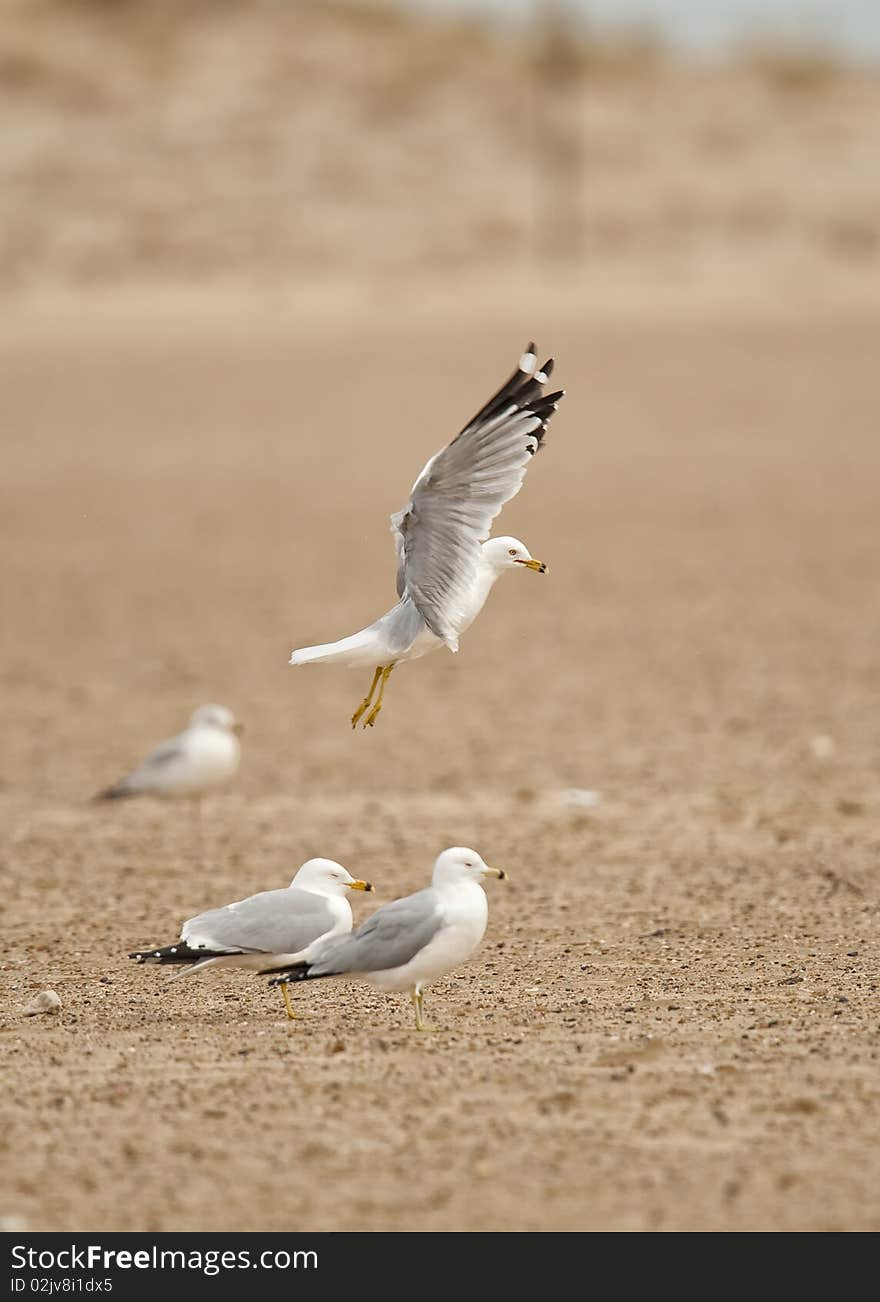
[361,648]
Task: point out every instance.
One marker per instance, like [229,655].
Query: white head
[214,716]
[462,865]
[326,877]
[508,553]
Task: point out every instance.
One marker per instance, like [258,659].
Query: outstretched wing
[462,489]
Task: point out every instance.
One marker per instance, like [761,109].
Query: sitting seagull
[205,754]
[410,942]
[447,563]
[266,930]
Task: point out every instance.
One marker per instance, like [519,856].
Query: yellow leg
[418,1003]
[417,997]
[365,703]
[285,991]
[374,713]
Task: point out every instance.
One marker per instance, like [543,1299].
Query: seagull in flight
[446,562]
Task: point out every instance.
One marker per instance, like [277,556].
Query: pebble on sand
[47,1001]
[12,1223]
[580,798]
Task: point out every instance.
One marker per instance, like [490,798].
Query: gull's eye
[468,864]
[512,551]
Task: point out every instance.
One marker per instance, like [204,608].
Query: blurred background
[267,141]
[246,243]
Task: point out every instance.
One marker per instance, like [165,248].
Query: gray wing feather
[460,492]
[148,776]
[161,757]
[401,626]
[273,922]
[390,938]
[150,771]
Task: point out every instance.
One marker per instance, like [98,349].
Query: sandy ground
[673,1021]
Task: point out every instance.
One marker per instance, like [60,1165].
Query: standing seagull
[265,930]
[410,942]
[204,755]
[446,562]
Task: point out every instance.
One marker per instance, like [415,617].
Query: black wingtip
[117,792]
[300,973]
[522,391]
[177,953]
[527,363]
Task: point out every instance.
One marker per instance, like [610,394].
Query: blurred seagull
[265,930]
[447,564]
[410,942]
[204,755]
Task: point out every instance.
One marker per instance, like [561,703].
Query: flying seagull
[204,755]
[264,930]
[410,942]
[446,561]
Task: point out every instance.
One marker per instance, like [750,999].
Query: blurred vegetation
[264,139]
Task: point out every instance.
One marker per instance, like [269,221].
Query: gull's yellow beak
[496,872]
[360,886]
[533,564]
[238,728]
